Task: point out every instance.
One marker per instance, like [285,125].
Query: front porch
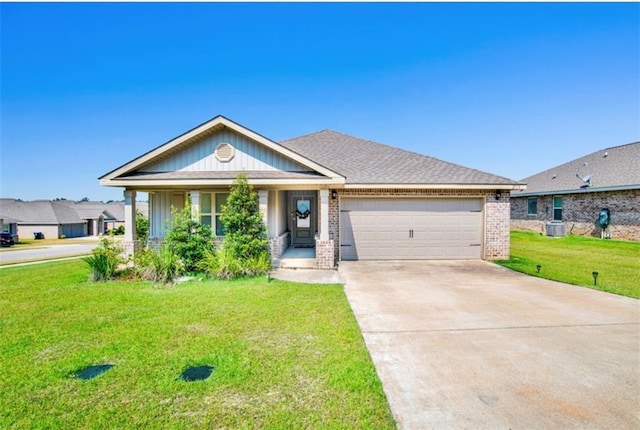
[297,221]
[296,258]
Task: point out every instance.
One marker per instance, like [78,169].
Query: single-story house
[63,218]
[572,197]
[51,218]
[347,198]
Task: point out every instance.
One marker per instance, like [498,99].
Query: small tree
[245,232]
[188,239]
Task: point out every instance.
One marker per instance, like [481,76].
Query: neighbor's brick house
[573,193]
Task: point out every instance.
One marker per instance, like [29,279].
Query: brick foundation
[325,254]
[278,245]
[130,247]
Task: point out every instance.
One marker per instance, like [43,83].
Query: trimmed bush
[188,239]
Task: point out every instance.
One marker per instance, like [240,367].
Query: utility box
[556,229]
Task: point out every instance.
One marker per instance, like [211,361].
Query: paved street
[45,253]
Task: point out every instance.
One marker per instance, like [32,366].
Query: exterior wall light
[498,194]
[334,194]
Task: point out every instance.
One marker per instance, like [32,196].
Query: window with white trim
[211,209]
[557,208]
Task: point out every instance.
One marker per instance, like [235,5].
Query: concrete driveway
[471,345]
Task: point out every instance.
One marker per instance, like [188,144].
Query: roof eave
[437,186]
[216,182]
[578,191]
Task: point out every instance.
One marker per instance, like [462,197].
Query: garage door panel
[411,228]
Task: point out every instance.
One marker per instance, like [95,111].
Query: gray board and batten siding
[248,156]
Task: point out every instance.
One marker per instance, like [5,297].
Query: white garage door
[410,229]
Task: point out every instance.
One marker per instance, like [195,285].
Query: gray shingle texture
[618,166]
[363,161]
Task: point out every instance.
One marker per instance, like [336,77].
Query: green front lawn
[573,259]
[286,355]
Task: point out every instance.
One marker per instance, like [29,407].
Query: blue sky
[511,89]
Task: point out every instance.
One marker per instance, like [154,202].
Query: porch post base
[278,245]
[324,254]
[130,247]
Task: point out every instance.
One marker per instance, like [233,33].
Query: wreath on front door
[303,209]
[303,215]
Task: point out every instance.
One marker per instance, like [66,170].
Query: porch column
[195,205]
[324,214]
[129,242]
[263,196]
[129,215]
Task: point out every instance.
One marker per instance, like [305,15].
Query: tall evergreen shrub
[245,232]
[188,239]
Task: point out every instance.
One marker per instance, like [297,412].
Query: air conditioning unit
[556,229]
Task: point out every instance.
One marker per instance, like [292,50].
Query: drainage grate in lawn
[91,371]
[196,373]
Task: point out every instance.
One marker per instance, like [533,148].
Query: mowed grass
[286,355]
[573,259]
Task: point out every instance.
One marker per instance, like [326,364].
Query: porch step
[296,263]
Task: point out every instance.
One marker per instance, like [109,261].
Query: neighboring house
[63,218]
[348,198]
[53,219]
[568,199]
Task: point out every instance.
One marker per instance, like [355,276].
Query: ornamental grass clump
[105,260]
[162,265]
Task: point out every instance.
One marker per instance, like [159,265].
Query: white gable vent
[224,152]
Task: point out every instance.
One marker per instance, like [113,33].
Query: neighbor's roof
[39,212]
[366,162]
[615,168]
[62,211]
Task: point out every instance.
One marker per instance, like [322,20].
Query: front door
[303,215]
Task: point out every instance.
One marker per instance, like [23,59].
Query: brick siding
[325,258]
[580,213]
[496,215]
[278,245]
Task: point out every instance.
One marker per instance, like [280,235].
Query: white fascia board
[137,162]
[439,186]
[219,120]
[578,191]
[217,182]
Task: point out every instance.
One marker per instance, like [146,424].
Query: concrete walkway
[307,276]
[471,345]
